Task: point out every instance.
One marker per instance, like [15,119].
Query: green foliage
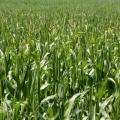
[61,65]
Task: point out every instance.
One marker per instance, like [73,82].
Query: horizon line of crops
[64,68]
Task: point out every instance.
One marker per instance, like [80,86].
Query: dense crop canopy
[59,66]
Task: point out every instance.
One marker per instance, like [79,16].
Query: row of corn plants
[59,66]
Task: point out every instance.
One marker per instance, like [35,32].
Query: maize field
[60,60]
